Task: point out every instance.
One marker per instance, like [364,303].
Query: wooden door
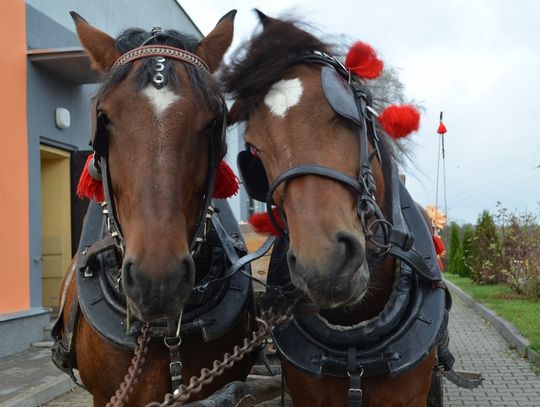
[55,221]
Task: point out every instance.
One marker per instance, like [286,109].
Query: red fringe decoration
[439,244]
[441,129]
[89,187]
[439,249]
[226,182]
[261,223]
[362,60]
[399,120]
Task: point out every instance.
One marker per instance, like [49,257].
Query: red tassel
[226,182]
[89,187]
[261,223]
[439,244]
[441,129]
[399,120]
[362,60]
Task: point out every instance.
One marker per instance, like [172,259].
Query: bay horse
[158,139]
[353,242]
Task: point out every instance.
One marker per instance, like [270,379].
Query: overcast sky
[478,61]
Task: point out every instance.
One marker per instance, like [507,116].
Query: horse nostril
[186,271]
[291,260]
[349,248]
[127,277]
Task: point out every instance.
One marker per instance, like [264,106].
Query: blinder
[253,175]
[339,95]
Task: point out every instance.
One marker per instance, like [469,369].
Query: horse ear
[99,46]
[263,18]
[212,48]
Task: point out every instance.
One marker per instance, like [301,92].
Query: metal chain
[134,370]
[267,322]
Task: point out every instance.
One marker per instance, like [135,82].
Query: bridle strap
[204,223]
[164,51]
[301,171]
[207,210]
[364,185]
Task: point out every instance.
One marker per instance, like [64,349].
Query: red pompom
[362,60]
[441,129]
[399,120]
[226,181]
[261,223]
[89,187]
[439,244]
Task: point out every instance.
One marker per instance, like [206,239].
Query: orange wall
[14,206]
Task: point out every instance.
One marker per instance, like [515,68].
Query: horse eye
[102,117]
[252,149]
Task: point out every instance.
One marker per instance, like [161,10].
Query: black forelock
[264,59]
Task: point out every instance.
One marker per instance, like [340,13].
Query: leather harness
[212,309]
[416,317]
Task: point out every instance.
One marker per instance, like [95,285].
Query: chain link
[134,370]
[267,322]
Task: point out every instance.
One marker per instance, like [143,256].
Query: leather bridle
[219,130]
[372,219]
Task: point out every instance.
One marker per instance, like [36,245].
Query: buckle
[175,368]
[355,394]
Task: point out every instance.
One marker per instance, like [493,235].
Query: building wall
[14,231]
[114,16]
[45,93]
[29,98]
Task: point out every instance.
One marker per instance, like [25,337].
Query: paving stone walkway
[509,379]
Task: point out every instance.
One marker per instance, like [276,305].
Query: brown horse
[320,159]
[159,138]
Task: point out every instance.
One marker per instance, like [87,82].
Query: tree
[486,262]
[453,248]
[468,251]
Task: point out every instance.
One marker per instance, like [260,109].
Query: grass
[523,313]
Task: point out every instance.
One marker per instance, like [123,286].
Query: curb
[508,331]
[39,395]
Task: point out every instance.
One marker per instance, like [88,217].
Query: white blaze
[283,95]
[161,99]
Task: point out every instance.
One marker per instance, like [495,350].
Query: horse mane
[132,38]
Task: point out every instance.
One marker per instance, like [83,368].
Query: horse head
[292,132]
[158,133]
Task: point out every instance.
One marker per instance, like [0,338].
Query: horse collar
[103,303]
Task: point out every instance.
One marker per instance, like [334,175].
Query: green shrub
[521,253]
[487,261]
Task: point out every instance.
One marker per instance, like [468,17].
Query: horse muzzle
[340,280]
[158,291]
